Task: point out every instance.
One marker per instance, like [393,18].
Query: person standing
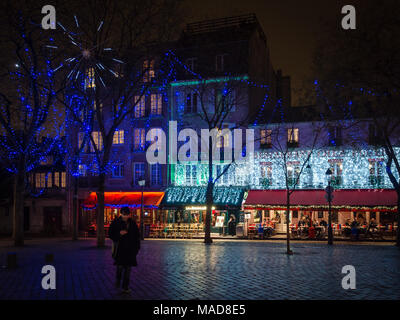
[232,225]
[125,234]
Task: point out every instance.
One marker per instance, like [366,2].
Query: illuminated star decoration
[91,61]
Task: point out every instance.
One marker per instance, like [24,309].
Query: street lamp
[329,197]
[142,183]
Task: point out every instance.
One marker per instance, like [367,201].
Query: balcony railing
[292,144]
[265,145]
[376,181]
[336,181]
[265,182]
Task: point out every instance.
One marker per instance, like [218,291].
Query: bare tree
[28,91]
[284,138]
[116,67]
[214,104]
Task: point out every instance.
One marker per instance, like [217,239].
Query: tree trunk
[209,204]
[18,205]
[209,195]
[398,222]
[100,211]
[288,251]
[75,210]
[330,231]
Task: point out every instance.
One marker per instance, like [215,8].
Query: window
[98,140]
[266,170]
[156,132]
[56,179]
[223,139]
[95,107]
[220,62]
[118,137]
[49,180]
[118,170]
[293,136]
[148,70]
[140,106]
[266,174]
[138,172]
[191,102]
[117,107]
[224,179]
[139,138]
[265,138]
[376,176]
[156,174]
[90,79]
[156,104]
[82,170]
[218,173]
[293,173]
[40,180]
[335,136]
[191,174]
[191,64]
[219,100]
[63,179]
[336,167]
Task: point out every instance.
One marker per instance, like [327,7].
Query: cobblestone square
[168,269]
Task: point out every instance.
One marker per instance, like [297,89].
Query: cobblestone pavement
[179,269]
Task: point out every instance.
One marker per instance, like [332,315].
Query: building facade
[218,74]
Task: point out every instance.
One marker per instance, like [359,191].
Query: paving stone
[231,270]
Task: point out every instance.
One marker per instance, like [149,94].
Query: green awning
[183,196]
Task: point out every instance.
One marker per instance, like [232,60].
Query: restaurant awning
[354,199]
[151,200]
[188,196]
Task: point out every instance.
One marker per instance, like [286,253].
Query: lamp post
[329,197]
[142,184]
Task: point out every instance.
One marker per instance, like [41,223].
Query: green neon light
[196,82]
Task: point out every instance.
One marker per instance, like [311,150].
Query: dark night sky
[291,27]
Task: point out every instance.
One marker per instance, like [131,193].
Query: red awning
[122,199]
[351,199]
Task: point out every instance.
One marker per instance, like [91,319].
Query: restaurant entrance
[114,201]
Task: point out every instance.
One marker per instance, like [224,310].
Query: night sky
[291,27]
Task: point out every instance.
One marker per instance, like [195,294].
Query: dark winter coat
[232,227]
[128,245]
